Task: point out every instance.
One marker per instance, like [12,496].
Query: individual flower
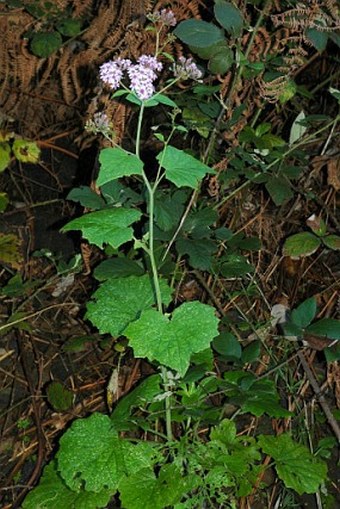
[111,73]
[165,16]
[150,62]
[186,69]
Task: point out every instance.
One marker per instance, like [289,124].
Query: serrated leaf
[108,226]
[86,197]
[53,492]
[59,397]
[328,327]
[181,168]
[304,313]
[294,464]
[300,245]
[93,457]
[229,16]
[169,209]
[192,327]
[199,252]
[5,156]
[279,189]
[332,241]
[262,398]
[117,302]
[116,163]
[117,268]
[221,61]
[196,32]
[297,130]
[44,44]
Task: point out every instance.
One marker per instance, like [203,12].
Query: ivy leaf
[53,492]
[300,245]
[108,226]
[294,464]
[192,327]
[93,457]
[43,44]
[199,251]
[196,32]
[117,302]
[116,163]
[304,313]
[86,197]
[229,16]
[181,168]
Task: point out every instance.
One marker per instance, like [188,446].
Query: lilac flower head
[100,123]
[165,16]
[186,69]
[141,81]
[111,73]
[150,62]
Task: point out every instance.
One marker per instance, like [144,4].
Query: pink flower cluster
[165,16]
[186,69]
[142,75]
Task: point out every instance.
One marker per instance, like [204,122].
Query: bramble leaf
[328,327]
[332,241]
[304,313]
[108,226]
[119,301]
[199,251]
[53,492]
[181,168]
[192,327]
[115,163]
[295,465]
[300,245]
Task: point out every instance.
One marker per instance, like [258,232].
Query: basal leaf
[53,492]
[300,245]
[196,32]
[192,327]
[108,226]
[117,302]
[116,163]
[181,168]
[94,458]
[295,465]
[86,197]
[229,16]
[328,327]
[304,313]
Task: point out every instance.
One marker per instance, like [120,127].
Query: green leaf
[44,44]
[297,130]
[317,38]
[53,492]
[229,16]
[4,201]
[117,302]
[304,314]
[328,327]
[294,464]
[227,344]
[192,327]
[9,250]
[234,265]
[206,53]
[221,62]
[69,27]
[94,458]
[181,168]
[279,189]
[199,251]
[251,352]
[86,197]
[117,268]
[332,241]
[262,398]
[5,156]
[145,490]
[59,397]
[164,99]
[145,392]
[169,208]
[300,245]
[116,163]
[108,226]
[196,32]
[26,151]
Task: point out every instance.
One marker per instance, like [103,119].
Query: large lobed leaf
[172,342]
[108,226]
[181,168]
[119,301]
[116,163]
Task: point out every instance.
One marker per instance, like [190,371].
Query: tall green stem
[151,253]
